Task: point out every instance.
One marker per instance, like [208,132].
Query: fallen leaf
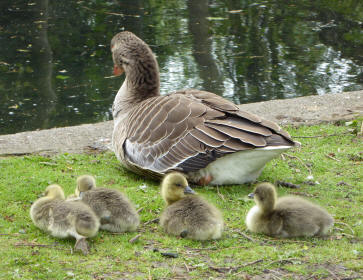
[62,77]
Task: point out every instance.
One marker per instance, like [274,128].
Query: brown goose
[194,132]
[287,216]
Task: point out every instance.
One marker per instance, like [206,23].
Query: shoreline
[307,110]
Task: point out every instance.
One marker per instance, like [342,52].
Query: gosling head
[85,183]
[175,187]
[265,196]
[127,51]
[54,192]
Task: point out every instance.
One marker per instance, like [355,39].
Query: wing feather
[189,129]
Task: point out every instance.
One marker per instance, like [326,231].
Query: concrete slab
[307,110]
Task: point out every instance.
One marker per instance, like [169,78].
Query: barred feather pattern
[183,131]
[187,130]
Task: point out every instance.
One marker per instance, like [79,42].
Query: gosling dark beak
[251,195]
[188,190]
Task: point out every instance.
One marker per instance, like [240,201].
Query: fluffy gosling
[285,217]
[63,219]
[115,211]
[187,214]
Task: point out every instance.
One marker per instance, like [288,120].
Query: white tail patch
[240,167]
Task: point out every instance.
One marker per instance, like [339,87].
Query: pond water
[55,62]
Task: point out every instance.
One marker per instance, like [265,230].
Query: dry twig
[299,159]
[287,185]
[329,156]
[344,224]
[321,136]
[156,220]
[234,268]
[246,236]
[186,267]
[134,239]
[289,260]
[220,195]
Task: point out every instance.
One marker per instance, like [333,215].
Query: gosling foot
[82,245]
[184,233]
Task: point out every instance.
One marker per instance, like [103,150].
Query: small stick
[348,235]
[284,260]
[140,209]
[134,239]
[48,163]
[318,136]
[253,262]
[230,268]
[344,224]
[275,276]
[246,236]
[23,244]
[299,159]
[220,195]
[156,220]
[186,267]
[202,249]
[328,156]
[332,273]
[287,185]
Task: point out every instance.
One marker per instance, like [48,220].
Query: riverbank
[306,110]
[327,168]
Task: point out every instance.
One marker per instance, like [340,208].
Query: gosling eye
[178,185]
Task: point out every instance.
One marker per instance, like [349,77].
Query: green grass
[335,162]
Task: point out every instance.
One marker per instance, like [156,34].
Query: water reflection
[55,59]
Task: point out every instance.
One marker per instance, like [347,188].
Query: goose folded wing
[187,130]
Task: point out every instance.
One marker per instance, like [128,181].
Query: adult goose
[195,132]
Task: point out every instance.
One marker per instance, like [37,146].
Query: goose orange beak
[117,71]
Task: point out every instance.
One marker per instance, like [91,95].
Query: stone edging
[306,110]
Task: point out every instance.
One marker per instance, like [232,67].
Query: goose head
[133,56]
[175,187]
[265,196]
[85,183]
[54,192]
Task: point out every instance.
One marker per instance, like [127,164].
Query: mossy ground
[332,157]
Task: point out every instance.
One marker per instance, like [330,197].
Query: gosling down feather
[287,216]
[187,214]
[115,211]
[63,219]
[195,132]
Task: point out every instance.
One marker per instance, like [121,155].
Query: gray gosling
[115,211]
[63,219]
[187,214]
[284,217]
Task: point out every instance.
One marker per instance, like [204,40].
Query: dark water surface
[55,60]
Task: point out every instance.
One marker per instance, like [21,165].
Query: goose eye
[178,185]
